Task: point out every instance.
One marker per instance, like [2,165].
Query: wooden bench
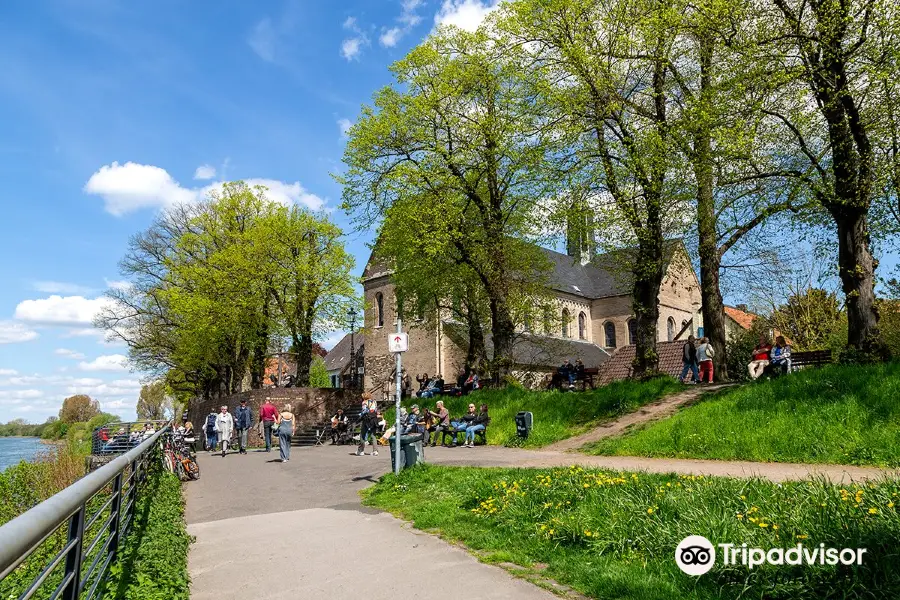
[813,358]
[479,435]
[586,377]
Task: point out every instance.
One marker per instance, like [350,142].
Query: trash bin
[524,423]
[410,450]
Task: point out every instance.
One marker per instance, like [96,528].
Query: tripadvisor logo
[696,555]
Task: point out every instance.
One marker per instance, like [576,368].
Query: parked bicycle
[177,457]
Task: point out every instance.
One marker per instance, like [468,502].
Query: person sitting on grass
[463,423]
[780,363]
[760,358]
[480,423]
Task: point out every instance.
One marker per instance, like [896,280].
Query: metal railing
[86,521]
[118,438]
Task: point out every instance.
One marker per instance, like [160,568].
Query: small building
[339,361]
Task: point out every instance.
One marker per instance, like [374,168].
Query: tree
[604,66]
[78,409]
[810,319]
[833,52]
[318,374]
[463,143]
[309,276]
[153,401]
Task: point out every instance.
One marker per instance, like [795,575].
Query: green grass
[613,535]
[842,414]
[558,415]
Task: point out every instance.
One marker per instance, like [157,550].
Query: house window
[548,320]
[565,322]
[582,326]
[609,331]
[379,310]
[684,323]
[632,331]
[334,381]
[526,322]
[670,329]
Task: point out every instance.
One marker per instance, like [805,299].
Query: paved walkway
[664,407]
[270,530]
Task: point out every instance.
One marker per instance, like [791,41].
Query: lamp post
[351,314]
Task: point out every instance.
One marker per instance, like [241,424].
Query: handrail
[25,533]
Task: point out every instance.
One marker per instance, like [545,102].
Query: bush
[153,562]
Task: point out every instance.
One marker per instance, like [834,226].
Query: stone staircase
[306,435]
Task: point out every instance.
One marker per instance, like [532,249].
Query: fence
[117,438]
[99,507]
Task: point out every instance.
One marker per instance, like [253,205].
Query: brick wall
[310,405]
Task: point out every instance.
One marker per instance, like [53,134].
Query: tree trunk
[648,274]
[502,332]
[710,260]
[857,272]
[303,347]
[260,350]
[476,353]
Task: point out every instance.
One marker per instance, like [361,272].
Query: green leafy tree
[461,147]
[318,374]
[810,319]
[153,401]
[79,408]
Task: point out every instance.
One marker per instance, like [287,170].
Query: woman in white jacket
[224,427]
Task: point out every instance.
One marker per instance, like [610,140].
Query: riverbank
[14,449]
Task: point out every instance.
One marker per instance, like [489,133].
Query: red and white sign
[398,342]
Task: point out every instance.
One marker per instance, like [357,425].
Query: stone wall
[310,405]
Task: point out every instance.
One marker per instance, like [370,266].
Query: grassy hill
[559,415]
[843,414]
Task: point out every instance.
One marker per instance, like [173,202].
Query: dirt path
[662,408]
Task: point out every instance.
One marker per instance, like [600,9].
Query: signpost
[398,343]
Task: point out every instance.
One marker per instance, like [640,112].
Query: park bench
[586,377]
[479,435]
[813,358]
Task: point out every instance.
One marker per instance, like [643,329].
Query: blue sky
[113,110]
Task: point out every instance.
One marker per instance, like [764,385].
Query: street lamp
[351,314]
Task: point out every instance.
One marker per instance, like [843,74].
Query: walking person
[689,360]
[286,427]
[268,415]
[224,427]
[705,354]
[243,420]
[212,436]
[368,424]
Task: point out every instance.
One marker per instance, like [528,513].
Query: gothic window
[582,326]
[632,331]
[609,330]
[565,322]
[670,329]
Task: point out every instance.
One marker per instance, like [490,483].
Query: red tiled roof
[742,318]
[619,364]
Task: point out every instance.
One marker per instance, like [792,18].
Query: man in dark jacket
[689,359]
[243,420]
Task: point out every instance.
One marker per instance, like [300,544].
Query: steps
[306,436]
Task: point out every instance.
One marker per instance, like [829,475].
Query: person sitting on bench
[480,423]
[566,371]
[435,388]
[463,423]
[780,362]
[443,422]
[472,383]
[578,370]
[760,358]
[339,424]
[411,425]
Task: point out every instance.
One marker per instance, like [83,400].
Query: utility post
[398,382]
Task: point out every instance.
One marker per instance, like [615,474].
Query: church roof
[619,365]
[339,357]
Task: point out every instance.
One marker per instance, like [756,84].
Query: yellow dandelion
[890,505]
[802,537]
[587,533]
[649,511]
[743,497]
[775,527]
[873,511]
[763,525]
[740,516]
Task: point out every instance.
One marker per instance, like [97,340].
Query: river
[14,449]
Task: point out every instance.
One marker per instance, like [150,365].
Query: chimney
[742,308]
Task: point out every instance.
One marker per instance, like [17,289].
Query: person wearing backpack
[368,424]
[705,354]
[212,436]
[243,421]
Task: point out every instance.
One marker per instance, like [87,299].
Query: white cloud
[65,352]
[129,187]
[7,372]
[115,284]
[132,186]
[350,48]
[58,287]
[20,394]
[344,125]
[332,339]
[13,333]
[390,37]
[205,172]
[262,40]
[465,14]
[109,362]
[59,310]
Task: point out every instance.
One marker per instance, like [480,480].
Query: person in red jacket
[267,416]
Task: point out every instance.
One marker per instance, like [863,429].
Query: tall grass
[613,535]
[557,415]
[846,414]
